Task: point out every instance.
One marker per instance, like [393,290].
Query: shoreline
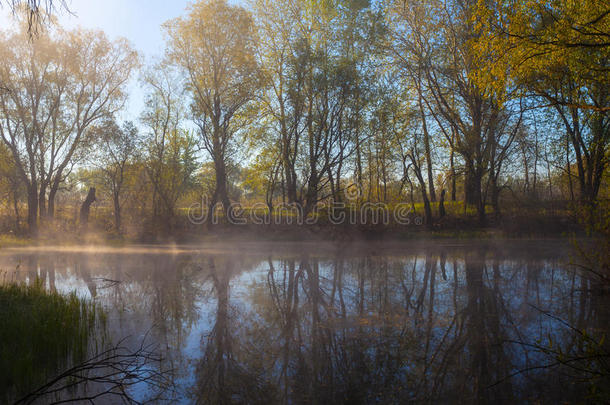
[229,238]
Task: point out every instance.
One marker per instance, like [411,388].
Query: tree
[170,149]
[434,41]
[333,91]
[262,177]
[59,85]
[281,104]
[215,48]
[113,157]
[558,52]
[401,122]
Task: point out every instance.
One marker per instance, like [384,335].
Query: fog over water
[447,321]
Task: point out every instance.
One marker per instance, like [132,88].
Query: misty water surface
[319,323]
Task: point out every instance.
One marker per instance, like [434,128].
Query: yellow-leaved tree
[557,52]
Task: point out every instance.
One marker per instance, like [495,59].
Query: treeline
[492,104]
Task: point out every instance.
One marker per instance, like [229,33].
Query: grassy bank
[359,223]
[7,240]
[42,332]
[296,233]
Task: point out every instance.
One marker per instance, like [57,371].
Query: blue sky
[137,20]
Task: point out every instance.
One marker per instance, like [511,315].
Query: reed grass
[41,333]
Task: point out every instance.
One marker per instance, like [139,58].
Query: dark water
[463,322]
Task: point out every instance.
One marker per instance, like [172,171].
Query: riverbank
[298,233]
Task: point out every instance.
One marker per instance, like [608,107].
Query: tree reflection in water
[432,325]
[380,329]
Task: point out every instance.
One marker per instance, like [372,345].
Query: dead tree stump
[85,207]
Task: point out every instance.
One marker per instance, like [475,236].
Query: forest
[312,201]
[471,114]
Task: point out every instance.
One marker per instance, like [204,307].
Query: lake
[425,322]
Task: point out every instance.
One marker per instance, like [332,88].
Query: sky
[137,20]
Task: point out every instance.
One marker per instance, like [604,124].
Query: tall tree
[58,85]
[434,40]
[215,47]
[281,104]
[169,147]
[558,52]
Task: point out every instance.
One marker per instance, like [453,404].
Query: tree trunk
[117,211]
[535,168]
[453,176]
[51,202]
[428,153]
[424,194]
[470,185]
[53,194]
[495,196]
[480,204]
[441,204]
[42,195]
[358,163]
[33,209]
[568,167]
[331,182]
[338,183]
[526,186]
[472,191]
[270,208]
[289,173]
[85,207]
[16,207]
[221,191]
[312,193]
[427,208]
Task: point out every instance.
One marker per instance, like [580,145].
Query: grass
[7,240]
[541,219]
[41,333]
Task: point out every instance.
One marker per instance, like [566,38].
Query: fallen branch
[108,374]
